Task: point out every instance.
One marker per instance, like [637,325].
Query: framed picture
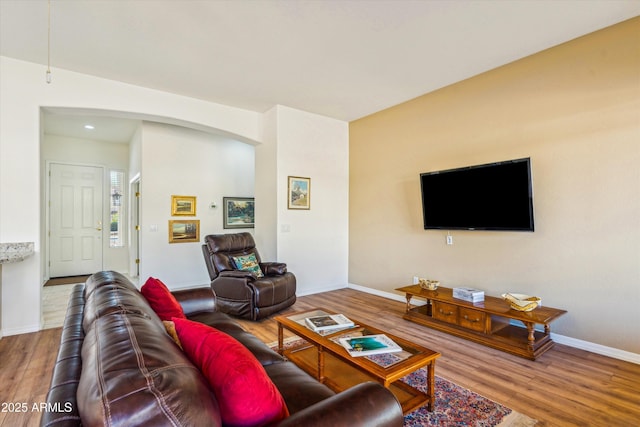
[183,205]
[238,212]
[184,231]
[299,193]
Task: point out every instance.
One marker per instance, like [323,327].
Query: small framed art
[183,206]
[299,193]
[239,212]
[184,231]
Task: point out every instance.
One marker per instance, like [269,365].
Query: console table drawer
[472,319]
[445,312]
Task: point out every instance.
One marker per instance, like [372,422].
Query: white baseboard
[616,353]
[18,331]
[560,339]
[320,290]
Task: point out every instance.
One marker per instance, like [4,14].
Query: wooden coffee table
[327,360]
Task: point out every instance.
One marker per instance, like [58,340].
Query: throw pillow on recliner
[248,263]
[161,299]
[245,393]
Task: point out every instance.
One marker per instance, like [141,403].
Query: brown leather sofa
[117,366]
[241,293]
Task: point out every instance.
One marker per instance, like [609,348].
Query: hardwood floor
[26,365]
[564,387]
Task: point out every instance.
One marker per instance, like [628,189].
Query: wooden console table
[487,322]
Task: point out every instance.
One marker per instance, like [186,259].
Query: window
[116,217]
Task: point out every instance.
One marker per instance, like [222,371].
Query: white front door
[75,220]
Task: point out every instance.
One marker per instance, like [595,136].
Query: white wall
[111,156]
[267,204]
[180,161]
[316,246]
[23,91]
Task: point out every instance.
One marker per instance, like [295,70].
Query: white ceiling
[343,59]
[71,124]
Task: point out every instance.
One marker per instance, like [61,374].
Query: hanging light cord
[48,75]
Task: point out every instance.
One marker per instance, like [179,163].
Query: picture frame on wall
[299,193]
[183,205]
[238,212]
[184,230]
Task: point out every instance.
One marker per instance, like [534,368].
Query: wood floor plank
[564,387]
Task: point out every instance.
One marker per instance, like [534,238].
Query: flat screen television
[494,196]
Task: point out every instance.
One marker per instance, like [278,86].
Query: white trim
[616,353]
[20,331]
[321,290]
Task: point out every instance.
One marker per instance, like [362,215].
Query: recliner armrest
[238,274]
[273,268]
[367,404]
[196,300]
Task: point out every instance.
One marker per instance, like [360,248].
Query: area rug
[458,406]
[455,406]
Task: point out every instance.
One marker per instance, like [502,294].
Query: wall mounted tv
[494,196]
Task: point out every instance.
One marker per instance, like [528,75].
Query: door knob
[99,227]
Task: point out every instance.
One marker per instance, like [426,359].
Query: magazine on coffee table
[328,322]
[369,344]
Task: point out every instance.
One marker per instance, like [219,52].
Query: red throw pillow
[162,300]
[245,393]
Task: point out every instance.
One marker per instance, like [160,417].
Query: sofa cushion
[162,300]
[245,394]
[248,263]
[133,375]
[299,390]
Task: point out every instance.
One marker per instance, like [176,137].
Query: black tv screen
[494,196]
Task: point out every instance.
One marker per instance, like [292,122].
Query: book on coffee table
[369,344]
[328,322]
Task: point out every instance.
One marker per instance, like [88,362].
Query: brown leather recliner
[241,293]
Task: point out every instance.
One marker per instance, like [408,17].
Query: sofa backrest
[221,247]
[109,292]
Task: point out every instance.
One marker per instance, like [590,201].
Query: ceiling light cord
[48,75]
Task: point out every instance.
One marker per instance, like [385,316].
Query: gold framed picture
[299,193]
[184,230]
[183,205]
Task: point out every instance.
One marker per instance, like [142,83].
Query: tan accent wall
[575,110]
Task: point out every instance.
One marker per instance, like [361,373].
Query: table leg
[321,365]
[531,328]
[408,297]
[431,385]
[280,339]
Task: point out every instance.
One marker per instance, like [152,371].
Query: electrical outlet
[449,240]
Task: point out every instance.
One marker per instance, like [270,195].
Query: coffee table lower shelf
[340,376]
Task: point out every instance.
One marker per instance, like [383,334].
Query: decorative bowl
[429,285]
[522,302]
